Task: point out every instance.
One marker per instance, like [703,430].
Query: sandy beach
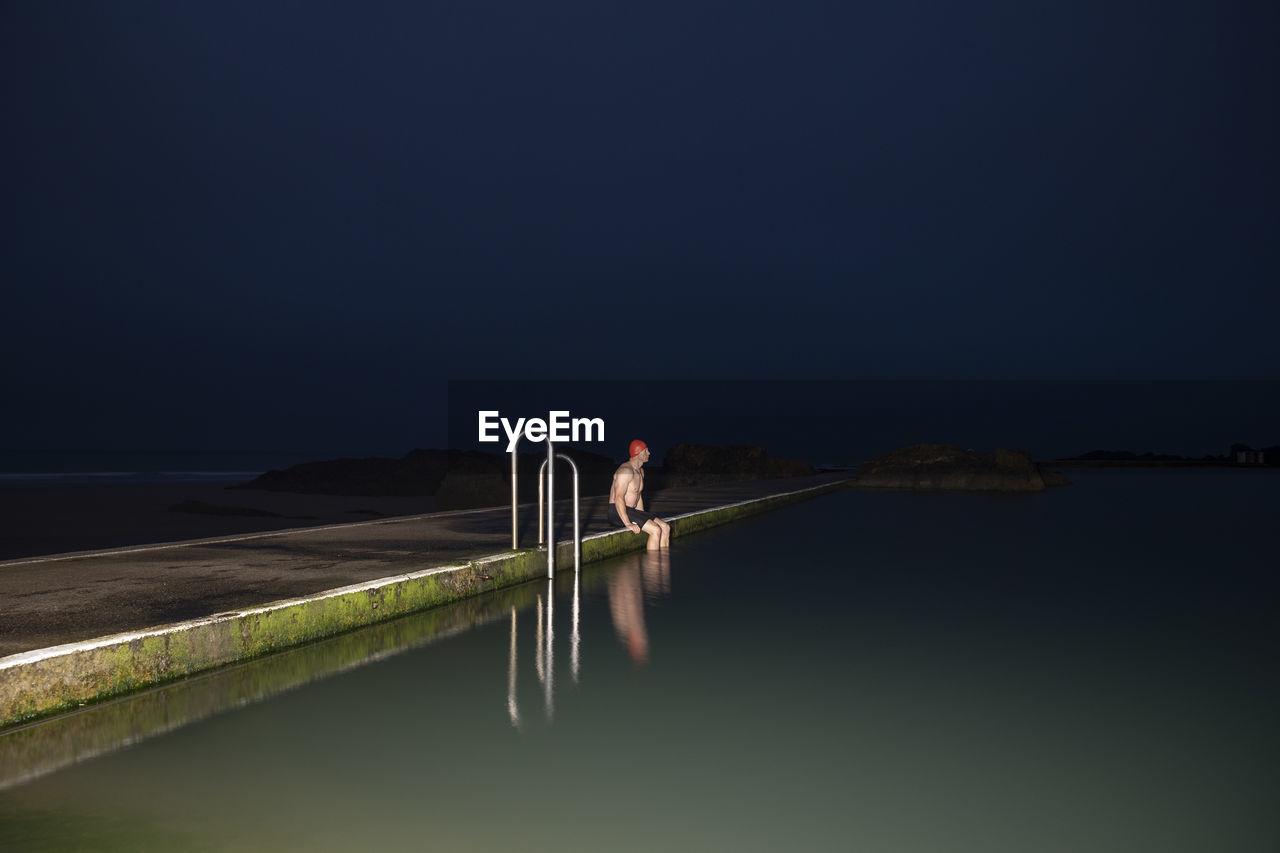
[43,520]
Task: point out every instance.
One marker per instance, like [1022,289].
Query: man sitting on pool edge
[626,503]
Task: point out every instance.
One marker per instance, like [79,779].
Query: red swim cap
[637,446]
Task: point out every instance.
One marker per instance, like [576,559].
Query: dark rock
[473,489]
[418,473]
[470,479]
[945,466]
[481,479]
[694,464]
[458,479]
[595,473]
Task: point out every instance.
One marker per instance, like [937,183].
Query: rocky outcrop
[458,479]
[468,479]
[694,464]
[945,466]
[417,473]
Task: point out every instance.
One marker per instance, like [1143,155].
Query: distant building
[1243,454]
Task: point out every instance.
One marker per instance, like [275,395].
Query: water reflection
[655,570]
[513,708]
[575,640]
[29,752]
[543,650]
[1103,694]
[643,577]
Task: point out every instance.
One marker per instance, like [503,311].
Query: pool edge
[43,682]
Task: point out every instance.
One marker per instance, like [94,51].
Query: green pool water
[1087,669]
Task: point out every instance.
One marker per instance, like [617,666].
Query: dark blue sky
[287,224]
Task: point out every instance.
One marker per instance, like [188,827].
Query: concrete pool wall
[47,681]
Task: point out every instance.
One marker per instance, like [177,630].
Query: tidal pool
[1087,669]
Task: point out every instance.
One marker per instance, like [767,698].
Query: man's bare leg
[655,534]
[665,541]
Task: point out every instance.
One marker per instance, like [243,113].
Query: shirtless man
[626,503]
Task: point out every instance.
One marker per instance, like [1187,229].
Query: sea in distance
[141,467]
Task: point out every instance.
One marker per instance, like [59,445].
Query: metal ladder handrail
[550,497]
[577,528]
[515,478]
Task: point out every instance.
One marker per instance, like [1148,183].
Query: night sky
[272,224]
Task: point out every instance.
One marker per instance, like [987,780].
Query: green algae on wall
[41,685]
[28,753]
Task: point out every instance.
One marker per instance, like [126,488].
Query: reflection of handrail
[513,709]
[544,649]
[576,640]
[539,652]
[577,517]
[549,685]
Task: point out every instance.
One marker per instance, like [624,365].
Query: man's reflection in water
[656,572]
[646,575]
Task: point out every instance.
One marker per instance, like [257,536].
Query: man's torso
[634,486]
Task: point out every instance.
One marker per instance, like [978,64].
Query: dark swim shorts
[639,516]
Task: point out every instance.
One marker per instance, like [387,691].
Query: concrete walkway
[92,626]
[55,600]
